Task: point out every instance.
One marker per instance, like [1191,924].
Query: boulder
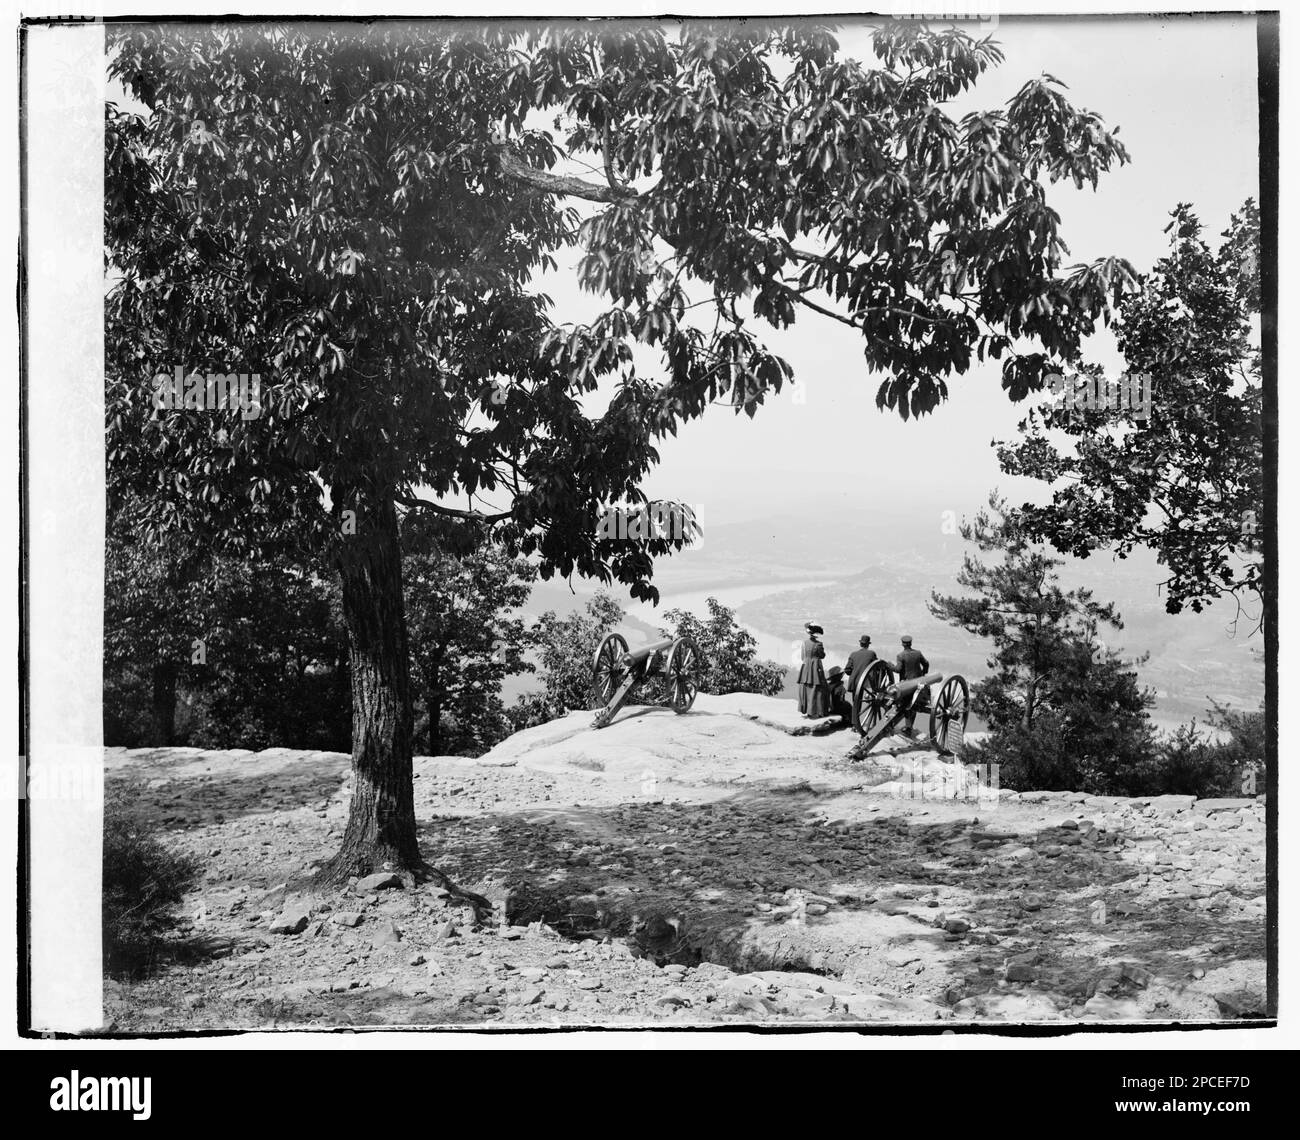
[292,920]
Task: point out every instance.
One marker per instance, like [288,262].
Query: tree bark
[162,709]
[381,830]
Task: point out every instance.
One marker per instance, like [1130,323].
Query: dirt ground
[709,869]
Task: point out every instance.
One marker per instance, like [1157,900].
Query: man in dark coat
[814,698]
[911,663]
[858,661]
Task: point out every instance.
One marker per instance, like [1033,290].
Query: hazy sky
[1183,92]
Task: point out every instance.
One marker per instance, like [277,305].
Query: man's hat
[907,639]
[864,640]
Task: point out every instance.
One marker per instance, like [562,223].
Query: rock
[1020,972]
[346,918]
[292,920]
[1068,825]
[749,1003]
[1214,806]
[444,930]
[556,963]
[675,998]
[804,1003]
[588,983]
[1031,902]
[900,958]
[381,881]
[1102,1008]
[385,934]
[815,909]
[416,960]
[1137,975]
[532,973]
[1172,803]
[1052,850]
[1245,1004]
[529,995]
[956,926]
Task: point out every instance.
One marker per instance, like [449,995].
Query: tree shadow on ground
[189,801]
[693,882]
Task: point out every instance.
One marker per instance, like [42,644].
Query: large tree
[362,213]
[1186,480]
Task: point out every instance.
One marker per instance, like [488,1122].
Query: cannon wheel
[684,668]
[949,712]
[871,699]
[607,668]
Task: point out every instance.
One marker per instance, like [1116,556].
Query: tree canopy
[1187,480]
[363,213]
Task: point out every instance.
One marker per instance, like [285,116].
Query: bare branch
[516,168]
[452,512]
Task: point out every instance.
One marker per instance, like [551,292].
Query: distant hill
[871,569]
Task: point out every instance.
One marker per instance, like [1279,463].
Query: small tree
[1065,712]
[463,641]
[1036,627]
[729,652]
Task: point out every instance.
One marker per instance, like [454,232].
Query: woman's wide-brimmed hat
[813,627]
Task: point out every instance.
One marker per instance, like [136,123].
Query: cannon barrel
[906,688]
[634,655]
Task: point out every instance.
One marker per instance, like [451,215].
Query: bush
[730,652]
[143,881]
[1185,762]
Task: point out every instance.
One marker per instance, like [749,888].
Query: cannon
[616,671]
[879,703]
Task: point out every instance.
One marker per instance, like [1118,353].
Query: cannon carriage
[616,671]
[880,702]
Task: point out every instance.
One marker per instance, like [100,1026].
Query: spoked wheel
[685,667]
[607,668]
[871,699]
[948,715]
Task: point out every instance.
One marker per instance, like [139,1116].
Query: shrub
[143,881]
[730,652]
[1186,762]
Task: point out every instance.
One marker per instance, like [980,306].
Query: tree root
[427,873]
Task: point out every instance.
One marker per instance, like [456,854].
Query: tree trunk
[162,711]
[381,824]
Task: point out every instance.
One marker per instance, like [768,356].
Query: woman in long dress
[814,694]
